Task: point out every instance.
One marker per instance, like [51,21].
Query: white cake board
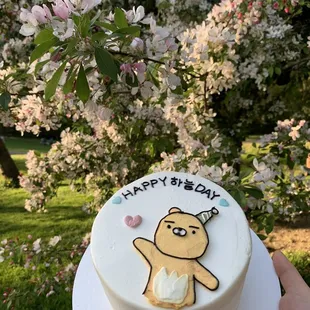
[261,289]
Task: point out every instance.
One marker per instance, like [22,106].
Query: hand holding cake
[297,295]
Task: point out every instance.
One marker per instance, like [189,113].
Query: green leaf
[120,18]
[108,26]
[133,30]
[262,237]
[269,224]
[178,90]
[271,71]
[99,36]
[106,63]
[41,49]
[82,87]
[182,109]
[153,78]
[40,65]
[245,172]
[76,19]
[95,18]
[5,99]
[278,71]
[239,196]
[132,82]
[53,82]
[71,47]
[68,87]
[289,162]
[254,192]
[184,84]
[43,36]
[85,25]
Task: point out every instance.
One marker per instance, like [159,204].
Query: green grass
[301,260]
[65,218]
[23,145]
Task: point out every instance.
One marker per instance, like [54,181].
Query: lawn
[22,146]
[65,218]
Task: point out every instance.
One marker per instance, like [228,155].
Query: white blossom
[54,240]
[37,246]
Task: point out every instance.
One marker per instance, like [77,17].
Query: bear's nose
[179,231]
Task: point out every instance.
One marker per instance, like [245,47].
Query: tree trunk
[7,165]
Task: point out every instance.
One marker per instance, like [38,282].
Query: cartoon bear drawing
[180,239]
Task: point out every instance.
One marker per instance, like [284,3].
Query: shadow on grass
[9,228]
[66,221]
[19,209]
[301,221]
[20,163]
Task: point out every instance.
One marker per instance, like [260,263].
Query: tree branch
[152,60]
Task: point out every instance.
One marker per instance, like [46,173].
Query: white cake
[171,240]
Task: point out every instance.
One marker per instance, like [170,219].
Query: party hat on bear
[206,216]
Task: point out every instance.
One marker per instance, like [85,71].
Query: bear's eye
[168,226]
[193,232]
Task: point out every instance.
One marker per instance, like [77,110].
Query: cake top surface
[179,223]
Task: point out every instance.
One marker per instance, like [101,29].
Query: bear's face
[181,235]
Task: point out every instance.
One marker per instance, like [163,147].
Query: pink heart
[133,221]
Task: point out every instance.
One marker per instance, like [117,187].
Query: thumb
[288,274]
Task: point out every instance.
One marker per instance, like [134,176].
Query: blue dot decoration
[224,203]
[117,200]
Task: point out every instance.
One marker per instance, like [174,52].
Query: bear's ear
[174,210]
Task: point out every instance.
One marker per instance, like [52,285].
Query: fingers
[288,274]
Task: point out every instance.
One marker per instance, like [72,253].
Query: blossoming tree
[137,94]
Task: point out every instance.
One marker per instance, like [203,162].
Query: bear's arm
[146,248]
[205,277]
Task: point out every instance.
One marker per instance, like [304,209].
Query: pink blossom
[63,30]
[294,134]
[88,5]
[39,13]
[61,9]
[137,44]
[140,67]
[276,5]
[83,6]
[126,68]
[171,45]
[287,10]
[30,23]
[135,15]
[47,12]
